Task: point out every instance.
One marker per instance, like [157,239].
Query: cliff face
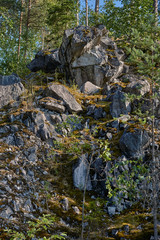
[54,140]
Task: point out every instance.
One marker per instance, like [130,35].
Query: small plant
[43,225]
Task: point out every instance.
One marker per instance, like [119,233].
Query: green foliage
[126,181]
[132,14]
[104,146]
[41,225]
[61,15]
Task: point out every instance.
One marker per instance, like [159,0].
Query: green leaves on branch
[42,224]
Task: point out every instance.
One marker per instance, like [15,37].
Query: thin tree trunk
[20,30]
[155,6]
[77,13]
[84,195]
[86,13]
[27,27]
[97,6]
[43,35]
[154,174]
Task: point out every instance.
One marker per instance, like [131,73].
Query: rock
[40,123]
[111,210]
[76,210]
[132,144]
[65,204]
[52,104]
[119,105]
[59,92]
[46,61]
[80,173]
[136,84]
[89,88]
[10,89]
[96,112]
[88,54]
[126,228]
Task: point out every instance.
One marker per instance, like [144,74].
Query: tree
[97,6]
[144,52]
[155,6]
[132,14]
[20,29]
[61,15]
[78,4]
[86,1]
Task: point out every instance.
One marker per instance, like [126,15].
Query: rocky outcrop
[88,54]
[10,89]
[46,61]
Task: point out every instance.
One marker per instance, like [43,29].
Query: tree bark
[86,13]
[20,30]
[77,15]
[97,6]
[27,27]
[155,6]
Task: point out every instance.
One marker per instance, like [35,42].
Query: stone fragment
[10,89]
[133,143]
[111,210]
[80,174]
[119,105]
[53,104]
[89,88]
[46,61]
[61,93]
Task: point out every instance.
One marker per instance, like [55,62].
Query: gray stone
[53,104]
[10,89]
[6,213]
[138,86]
[132,144]
[76,210]
[65,204]
[119,105]
[89,88]
[80,174]
[90,55]
[61,93]
[111,210]
[46,61]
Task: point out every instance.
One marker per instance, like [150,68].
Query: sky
[91,3]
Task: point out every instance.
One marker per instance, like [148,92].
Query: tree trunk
[43,36]
[155,6]
[27,27]
[97,6]
[154,172]
[86,13]
[20,30]
[84,194]
[77,13]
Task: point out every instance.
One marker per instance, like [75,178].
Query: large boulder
[88,54]
[132,143]
[80,174]
[10,89]
[60,92]
[46,61]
